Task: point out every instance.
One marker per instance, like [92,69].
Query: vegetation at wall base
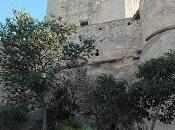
[12,117]
[156,83]
[112,103]
[67,125]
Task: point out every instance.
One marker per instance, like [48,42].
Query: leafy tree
[61,107]
[112,103]
[78,83]
[11,117]
[157,88]
[33,54]
[137,111]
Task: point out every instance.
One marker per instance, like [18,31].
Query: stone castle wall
[122,42]
[93,11]
[118,38]
[158,26]
[117,42]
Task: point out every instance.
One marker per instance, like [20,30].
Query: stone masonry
[126,31]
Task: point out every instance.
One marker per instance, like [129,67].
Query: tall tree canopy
[33,53]
[156,87]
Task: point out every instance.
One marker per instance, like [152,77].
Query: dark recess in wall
[83,23]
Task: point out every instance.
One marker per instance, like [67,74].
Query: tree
[112,103]
[32,55]
[12,117]
[74,85]
[60,108]
[156,80]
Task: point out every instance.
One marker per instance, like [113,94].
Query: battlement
[92,11]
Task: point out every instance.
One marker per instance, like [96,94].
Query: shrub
[61,107]
[11,117]
[67,125]
[110,102]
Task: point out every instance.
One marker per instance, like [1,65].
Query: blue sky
[36,8]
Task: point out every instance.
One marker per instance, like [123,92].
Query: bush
[67,125]
[111,103]
[61,107]
[11,117]
[156,85]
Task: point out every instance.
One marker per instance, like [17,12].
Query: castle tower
[158,26]
[92,11]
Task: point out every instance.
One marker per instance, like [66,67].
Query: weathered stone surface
[115,40]
[93,11]
[159,45]
[156,14]
[108,10]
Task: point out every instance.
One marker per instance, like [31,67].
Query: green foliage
[156,86]
[67,125]
[31,52]
[32,55]
[61,107]
[111,103]
[11,117]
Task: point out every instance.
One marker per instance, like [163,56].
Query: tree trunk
[44,123]
[138,126]
[153,123]
[155,117]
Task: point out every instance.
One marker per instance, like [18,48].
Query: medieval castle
[126,31]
